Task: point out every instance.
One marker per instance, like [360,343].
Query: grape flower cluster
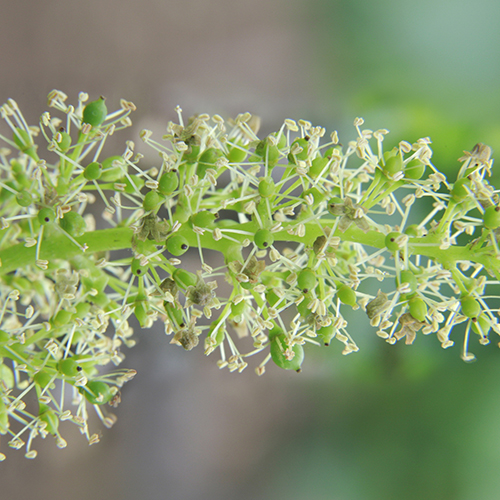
[305,229]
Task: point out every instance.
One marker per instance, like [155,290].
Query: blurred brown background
[385,423]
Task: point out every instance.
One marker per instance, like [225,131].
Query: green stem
[58,246]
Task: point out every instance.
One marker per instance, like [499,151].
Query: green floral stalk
[303,225]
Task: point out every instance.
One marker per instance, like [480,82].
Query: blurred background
[388,422]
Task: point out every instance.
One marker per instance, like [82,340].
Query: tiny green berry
[306,280]
[263,238]
[203,219]
[64,141]
[347,295]
[24,198]
[141,312]
[43,379]
[82,309]
[326,333]
[4,337]
[279,353]
[393,161]
[113,169]
[151,201]
[168,183]
[491,217]
[461,189]
[267,187]
[413,230]
[470,307]
[317,166]
[96,392]
[62,318]
[22,139]
[137,268]
[207,160]
[93,171]
[95,112]
[236,154]
[409,278]
[184,278]
[177,245]
[239,308]
[268,152]
[414,169]
[301,155]
[69,367]
[418,308]
[46,216]
[316,194]
[390,241]
[50,418]
[74,224]
[481,325]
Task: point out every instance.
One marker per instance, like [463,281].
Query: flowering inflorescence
[305,228]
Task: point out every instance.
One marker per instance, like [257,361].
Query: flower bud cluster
[304,226]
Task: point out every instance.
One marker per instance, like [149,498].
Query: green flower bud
[95,112]
[263,238]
